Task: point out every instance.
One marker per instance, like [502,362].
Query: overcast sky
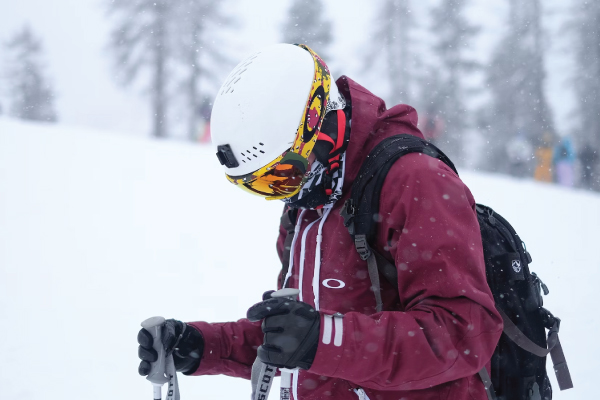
[75,34]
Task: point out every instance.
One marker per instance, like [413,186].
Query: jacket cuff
[211,356]
[331,345]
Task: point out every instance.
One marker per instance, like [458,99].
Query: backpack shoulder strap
[359,210]
[363,203]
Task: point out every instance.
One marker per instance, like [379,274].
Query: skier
[564,162]
[284,129]
[204,114]
[433,125]
[519,151]
[544,155]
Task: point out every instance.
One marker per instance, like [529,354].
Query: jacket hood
[371,123]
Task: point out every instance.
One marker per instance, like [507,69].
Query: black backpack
[518,365]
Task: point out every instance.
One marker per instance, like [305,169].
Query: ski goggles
[284,176]
[281,178]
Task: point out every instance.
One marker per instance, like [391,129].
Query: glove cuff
[189,350]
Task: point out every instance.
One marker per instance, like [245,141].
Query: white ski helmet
[267,116]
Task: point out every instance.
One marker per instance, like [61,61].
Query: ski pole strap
[487,383]
[285,392]
[173,385]
[262,376]
[561,369]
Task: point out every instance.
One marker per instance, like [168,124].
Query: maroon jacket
[440,326]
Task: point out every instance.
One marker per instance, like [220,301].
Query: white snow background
[100,231]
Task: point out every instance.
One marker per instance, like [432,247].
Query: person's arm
[448,328]
[229,348]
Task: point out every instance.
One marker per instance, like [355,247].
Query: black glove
[182,340]
[291,332]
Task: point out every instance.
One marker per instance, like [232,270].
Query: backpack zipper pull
[527,255]
[491,217]
[544,288]
[536,279]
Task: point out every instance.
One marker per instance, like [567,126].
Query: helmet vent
[254,154]
[236,75]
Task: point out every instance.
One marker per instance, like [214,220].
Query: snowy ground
[99,231]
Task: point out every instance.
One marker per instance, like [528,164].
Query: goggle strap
[341,129]
[325,137]
[340,147]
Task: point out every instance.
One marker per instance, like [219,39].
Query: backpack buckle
[362,247]
[347,213]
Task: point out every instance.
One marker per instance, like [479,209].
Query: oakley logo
[333,283]
[516,265]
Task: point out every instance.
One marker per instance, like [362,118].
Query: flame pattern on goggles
[284,176]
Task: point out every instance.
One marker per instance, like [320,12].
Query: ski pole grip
[286,374]
[289,293]
[157,371]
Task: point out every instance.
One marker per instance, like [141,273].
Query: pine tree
[200,54]
[141,41]
[305,25]
[587,86]
[453,33]
[391,39]
[30,94]
[516,78]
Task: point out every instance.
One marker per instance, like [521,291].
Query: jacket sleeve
[229,348]
[448,327]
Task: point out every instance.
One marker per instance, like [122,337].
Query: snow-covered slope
[98,232]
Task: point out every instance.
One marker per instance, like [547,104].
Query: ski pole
[286,374]
[158,368]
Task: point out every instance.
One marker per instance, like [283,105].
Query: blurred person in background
[563,160]
[519,152]
[543,155]
[285,130]
[204,112]
[432,125]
